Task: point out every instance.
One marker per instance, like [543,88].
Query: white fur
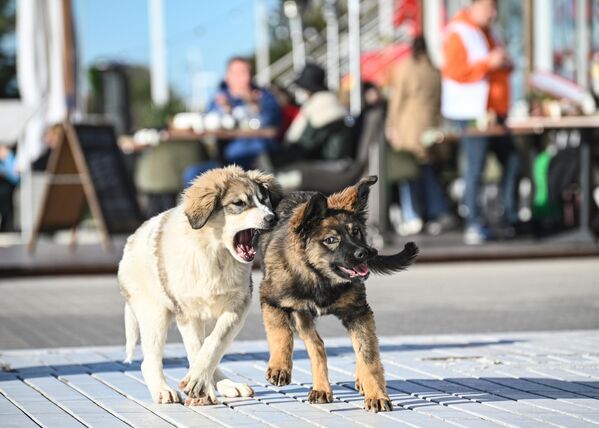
[207,290]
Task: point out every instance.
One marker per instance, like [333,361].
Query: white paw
[198,385]
[165,395]
[228,388]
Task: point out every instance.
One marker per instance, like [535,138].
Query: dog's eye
[355,231]
[330,240]
[238,203]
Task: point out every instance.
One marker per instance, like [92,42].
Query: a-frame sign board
[86,170]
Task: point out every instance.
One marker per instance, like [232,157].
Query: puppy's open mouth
[243,242]
[360,270]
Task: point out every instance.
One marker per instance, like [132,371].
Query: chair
[331,176]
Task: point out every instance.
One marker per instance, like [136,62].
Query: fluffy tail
[386,265]
[131,333]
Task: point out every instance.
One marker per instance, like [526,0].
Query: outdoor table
[585,125]
[128,144]
[538,125]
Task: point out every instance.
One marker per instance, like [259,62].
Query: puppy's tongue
[358,270]
[361,269]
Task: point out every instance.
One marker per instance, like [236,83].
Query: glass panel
[595,26]
[564,38]
[510,30]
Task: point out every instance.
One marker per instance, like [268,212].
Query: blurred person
[476,86]
[319,131]
[237,91]
[9,179]
[414,107]
[289,108]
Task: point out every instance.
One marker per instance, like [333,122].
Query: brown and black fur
[302,281]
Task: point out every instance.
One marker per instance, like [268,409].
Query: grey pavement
[555,294]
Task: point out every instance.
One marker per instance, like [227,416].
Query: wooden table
[128,144]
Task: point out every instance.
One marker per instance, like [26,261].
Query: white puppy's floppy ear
[199,202]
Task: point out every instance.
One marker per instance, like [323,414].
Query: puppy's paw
[320,397]
[201,401]
[165,395]
[228,388]
[359,387]
[278,376]
[377,404]
[198,385]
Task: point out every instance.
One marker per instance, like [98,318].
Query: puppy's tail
[386,265]
[131,333]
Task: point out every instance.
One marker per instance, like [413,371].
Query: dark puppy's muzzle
[363,254]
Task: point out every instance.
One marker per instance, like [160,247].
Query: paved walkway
[519,379]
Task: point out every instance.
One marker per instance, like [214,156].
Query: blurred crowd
[306,135]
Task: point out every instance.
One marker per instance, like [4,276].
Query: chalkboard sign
[87,169]
[113,187]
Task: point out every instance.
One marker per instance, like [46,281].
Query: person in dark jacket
[319,131]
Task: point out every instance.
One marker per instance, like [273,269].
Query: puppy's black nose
[360,254]
[270,219]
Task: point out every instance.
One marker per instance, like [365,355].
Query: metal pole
[432,29]
[262,46]
[355,99]
[296,33]
[583,39]
[330,14]
[159,79]
[542,35]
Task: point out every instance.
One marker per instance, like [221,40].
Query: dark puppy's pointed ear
[314,210]
[363,191]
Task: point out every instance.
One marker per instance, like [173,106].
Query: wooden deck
[520,379]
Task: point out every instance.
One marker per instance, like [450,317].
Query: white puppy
[194,263]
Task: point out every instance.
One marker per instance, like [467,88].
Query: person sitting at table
[238,95]
[475,85]
[319,131]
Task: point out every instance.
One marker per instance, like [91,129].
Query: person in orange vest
[475,86]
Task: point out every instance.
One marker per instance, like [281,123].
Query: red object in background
[408,12]
[377,65]
[289,112]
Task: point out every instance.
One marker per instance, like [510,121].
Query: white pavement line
[345,391]
[176,414]
[11,416]
[36,406]
[74,403]
[551,411]
[219,413]
[114,402]
[284,399]
[415,399]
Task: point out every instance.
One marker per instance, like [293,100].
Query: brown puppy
[315,262]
